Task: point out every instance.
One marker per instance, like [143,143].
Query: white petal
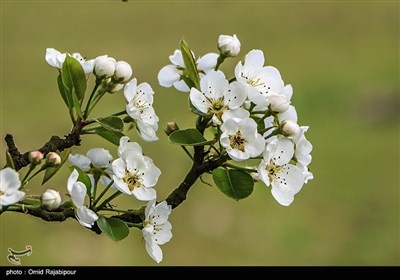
[154,251]
[121,185]
[177,59]
[54,58]
[181,86]
[254,59]
[132,110]
[289,114]
[118,167]
[144,194]
[162,234]
[100,157]
[86,217]
[199,100]
[78,193]
[9,180]
[230,126]
[284,151]
[145,93]
[257,97]
[237,155]
[80,161]
[11,198]
[238,113]
[256,146]
[150,178]
[146,132]
[88,66]
[168,75]
[236,95]
[287,91]
[148,116]
[72,180]
[125,145]
[247,127]
[130,90]
[214,84]
[150,207]
[282,194]
[262,173]
[207,62]
[160,213]
[293,176]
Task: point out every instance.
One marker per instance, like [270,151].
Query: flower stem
[31,168]
[86,113]
[187,152]
[239,167]
[103,193]
[220,59]
[111,197]
[136,225]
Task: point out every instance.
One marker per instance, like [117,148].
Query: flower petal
[144,194]
[100,157]
[78,193]
[154,250]
[214,84]
[284,151]
[177,58]
[9,180]
[207,62]
[236,95]
[11,198]
[168,75]
[72,180]
[54,58]
[125,144]
[181,86]
[199,100]
[130,90]
[86,217]
[80,161]
[282,194]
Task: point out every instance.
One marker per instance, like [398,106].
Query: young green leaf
[112,123]
[235,184]
[188,137]
[113,228]
[65,94]
[51,171]
[190,64]
[73,77]
[112,136]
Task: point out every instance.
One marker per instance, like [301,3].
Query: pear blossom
[77,190]
[123,71]
[229,45]
[50,199]
[217,96]
[276,170]
[290,128]
[303,149]
[240,138]
[9,187]
[56,59]
[170,75]
[135,174]
[262,81]
[104,66]
[140,108]
[156,228]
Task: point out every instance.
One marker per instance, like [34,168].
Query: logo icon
[13,254]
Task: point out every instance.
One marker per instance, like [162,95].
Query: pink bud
[53,159]
[35,157]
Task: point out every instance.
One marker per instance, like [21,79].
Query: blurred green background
[343,62]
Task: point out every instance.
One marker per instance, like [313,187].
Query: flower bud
[35,157]
[290,128]
[278,103]
[112,88]
[171,127]
[104,66]
[123,71]
[229,45]
[53,159]
[50,200]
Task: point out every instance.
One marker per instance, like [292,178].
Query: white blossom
[240,138]
[104,66]
[9,187]
[262,81]
[290,128]
[50,199]
[56,59]
[276,170]
[123,71]
[156,228]
[140,108]
[217,96]
[77,190]
[135,174]
[229,45]
[302,152]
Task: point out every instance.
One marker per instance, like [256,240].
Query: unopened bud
[255,176]
[104,66]
[123,71]
[229,45]
[290,128]
[50,200]
[35,157]
[53,159]
[112,88]
[278,103]
[171,127]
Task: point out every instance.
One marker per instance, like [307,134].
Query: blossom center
[237,141]
[1,193]
[217,106]
[133,180]
[274,172]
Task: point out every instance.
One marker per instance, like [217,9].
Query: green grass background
[342,59]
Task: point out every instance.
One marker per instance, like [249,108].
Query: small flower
[123,72]
[9,187]
[217,96]
[104,66]
[229,45]
[290,128]
[56,59]
[240,138]
[135,174]
[35,157]
[170,75]
[156,228]
[261,81]
[50,199]
[53,159]
[77,190]
[140,108]
[286,179]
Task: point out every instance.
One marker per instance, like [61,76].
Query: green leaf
[112,136]
[235,184]
[73,77]
[190,64]
[51,171]
[112,123]
[188,137]
[84,178]
[9,160]
[65,94]
[113,228]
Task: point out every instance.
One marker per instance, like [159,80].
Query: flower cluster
[253,114]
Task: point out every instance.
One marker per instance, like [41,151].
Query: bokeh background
[343,62]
